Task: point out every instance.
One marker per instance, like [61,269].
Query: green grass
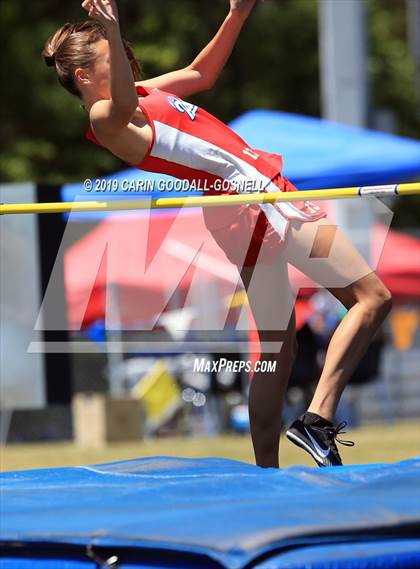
[375,443]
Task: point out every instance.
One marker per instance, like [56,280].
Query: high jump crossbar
[220,200]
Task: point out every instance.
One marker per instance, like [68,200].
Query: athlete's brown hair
[72,46]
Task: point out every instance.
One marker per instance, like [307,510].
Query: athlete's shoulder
[99,115]
[100,110]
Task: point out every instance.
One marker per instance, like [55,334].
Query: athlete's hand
[242,7]
[104,11]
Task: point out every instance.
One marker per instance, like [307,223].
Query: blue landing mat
[166,512]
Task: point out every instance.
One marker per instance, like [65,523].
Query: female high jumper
[148,125]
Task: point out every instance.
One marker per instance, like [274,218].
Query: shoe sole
[297,441]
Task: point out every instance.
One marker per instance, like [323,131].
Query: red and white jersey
[190,143]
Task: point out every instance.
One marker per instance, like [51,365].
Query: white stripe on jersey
[276,219]
[185,149]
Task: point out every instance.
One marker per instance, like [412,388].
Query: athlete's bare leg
[367,299]
[323,253]
[270,293]
[368,302]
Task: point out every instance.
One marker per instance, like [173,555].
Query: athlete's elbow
[208,83]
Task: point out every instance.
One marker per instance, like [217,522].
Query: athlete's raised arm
[114,113]
[202,73]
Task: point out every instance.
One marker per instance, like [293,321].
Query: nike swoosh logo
[321,451]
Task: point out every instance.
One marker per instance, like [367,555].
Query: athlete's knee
[368,292]
[377,303]
[378,297]
[382,300]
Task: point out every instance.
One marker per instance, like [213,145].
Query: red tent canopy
[179,247]
[399,264]
[147,278]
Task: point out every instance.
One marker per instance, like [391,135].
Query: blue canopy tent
[317,154]
[323,154]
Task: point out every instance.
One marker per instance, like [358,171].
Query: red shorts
[248,233]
